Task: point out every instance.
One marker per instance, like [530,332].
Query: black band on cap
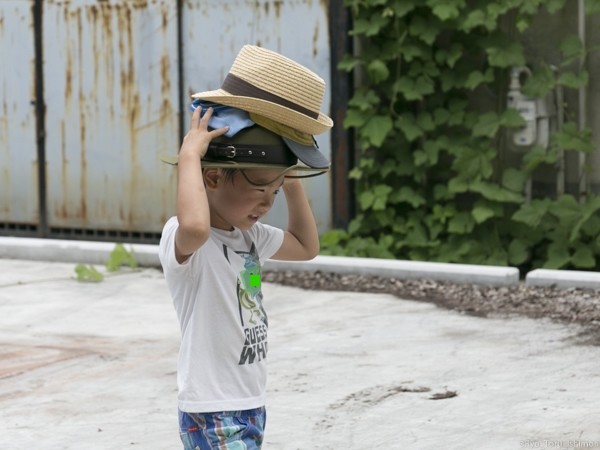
[266,154]
[236,86]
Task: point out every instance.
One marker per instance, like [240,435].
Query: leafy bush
[430,184]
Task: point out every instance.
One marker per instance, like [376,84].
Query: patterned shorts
[228,430]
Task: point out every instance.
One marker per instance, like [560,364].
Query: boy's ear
[211,176]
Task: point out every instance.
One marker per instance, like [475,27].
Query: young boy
[212,251]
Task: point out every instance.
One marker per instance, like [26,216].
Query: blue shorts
[228,430]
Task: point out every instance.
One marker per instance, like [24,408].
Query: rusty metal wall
[111,94]
[112,91]
[213,33]
[18,151]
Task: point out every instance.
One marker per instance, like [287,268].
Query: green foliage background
[430,185]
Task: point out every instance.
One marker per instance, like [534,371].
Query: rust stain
[267,8]
[132,106]
[82,117]
[278,4]
[65,170]
[107,38]
[18,359]
[316,40]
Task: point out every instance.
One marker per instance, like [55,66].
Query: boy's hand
[196,141]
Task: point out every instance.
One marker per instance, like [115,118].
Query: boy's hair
[228,174]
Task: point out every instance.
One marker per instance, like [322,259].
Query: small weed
[120,256]
[88,274]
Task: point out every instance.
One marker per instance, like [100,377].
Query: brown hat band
[236,86]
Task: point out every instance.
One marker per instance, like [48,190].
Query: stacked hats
[272,106]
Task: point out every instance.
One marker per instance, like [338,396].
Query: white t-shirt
[222,359]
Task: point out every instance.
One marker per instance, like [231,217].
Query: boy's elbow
[314,253]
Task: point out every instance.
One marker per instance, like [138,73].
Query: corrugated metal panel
[214,31]
[18,151]
[110,76]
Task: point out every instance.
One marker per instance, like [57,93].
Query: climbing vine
[430,182]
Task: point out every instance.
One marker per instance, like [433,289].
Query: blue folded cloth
[224,116]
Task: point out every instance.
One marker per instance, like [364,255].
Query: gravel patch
[573,305]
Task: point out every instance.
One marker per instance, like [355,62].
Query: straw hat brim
[273,111]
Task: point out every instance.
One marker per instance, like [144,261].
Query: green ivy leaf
[440,192]
[410,52]
[376,129]
[366,199]
[558,256]
[540,83]
[425,29]
[538,155]
[408,195]
[388,167]
[567,210]
[570,138]
[583,258]
[425,122]
[495,192]
[420,158]
[518,252]
[474,19]
[510,55]
[474,164]
[532,214]
[355,174]
[348,63]
[378,71]
[370,27]
[446,9]
[512,119]
[482,213]
[432,150]
[449,80]
[588,209]
[487,125]
[402,7]
[476,78]
[524,22]
[514,179]
[591,227]
[407,125]
[440,116]
[461,223]
[573,80]
[364,99]
[355,118]
[553,6]
[414,89]
[458,185]
[571,47]
[592,7]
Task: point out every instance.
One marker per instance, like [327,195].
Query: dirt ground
[581,306]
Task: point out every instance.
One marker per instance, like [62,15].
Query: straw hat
[265,83]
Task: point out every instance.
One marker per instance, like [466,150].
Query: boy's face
[231,204]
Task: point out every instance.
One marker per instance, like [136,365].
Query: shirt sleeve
[166,251]
[268,240]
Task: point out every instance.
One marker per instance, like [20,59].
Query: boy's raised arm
[193,213]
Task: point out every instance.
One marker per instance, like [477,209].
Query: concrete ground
[85,365]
